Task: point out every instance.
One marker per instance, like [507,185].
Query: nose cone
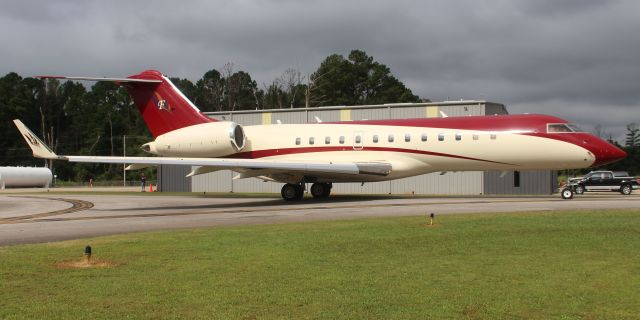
[606,153]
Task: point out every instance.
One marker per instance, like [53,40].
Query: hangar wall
[172,178]
[456,183]
[530,182]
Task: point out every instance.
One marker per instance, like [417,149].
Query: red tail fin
[163,107]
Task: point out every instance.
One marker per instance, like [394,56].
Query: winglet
[40,150]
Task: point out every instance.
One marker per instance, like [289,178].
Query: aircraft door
[358,140]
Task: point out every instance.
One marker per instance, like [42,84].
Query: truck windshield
[562,128]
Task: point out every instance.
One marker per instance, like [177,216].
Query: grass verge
[564,265]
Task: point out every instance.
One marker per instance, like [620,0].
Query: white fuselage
[473,151]
[404,147]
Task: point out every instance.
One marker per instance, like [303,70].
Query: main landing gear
[292,192]
[295,191]
[321,190]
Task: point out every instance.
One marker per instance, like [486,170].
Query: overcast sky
[577,59]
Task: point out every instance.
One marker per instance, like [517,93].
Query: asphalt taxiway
[44,217]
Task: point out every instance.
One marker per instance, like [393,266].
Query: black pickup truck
[605,181]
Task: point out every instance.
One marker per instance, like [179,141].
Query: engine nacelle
[212,139]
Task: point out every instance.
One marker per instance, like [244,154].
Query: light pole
[124,166]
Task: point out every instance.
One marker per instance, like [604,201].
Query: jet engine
[207,140]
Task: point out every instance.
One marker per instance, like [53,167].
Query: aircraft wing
[225,163]
[265,166]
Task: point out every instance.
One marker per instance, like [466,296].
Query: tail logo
[31,139]
[161,103]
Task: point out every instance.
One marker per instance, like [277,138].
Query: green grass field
[556,265]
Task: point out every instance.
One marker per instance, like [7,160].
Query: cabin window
[312,140]
[441,137]
[358,139]
[476,137]
[390,138]
[341,140]
[407,137]
[297,141]
[375,138]
[458,136]
[493,136]
[423,137]
[327,140]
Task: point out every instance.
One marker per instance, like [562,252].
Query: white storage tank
[14,177]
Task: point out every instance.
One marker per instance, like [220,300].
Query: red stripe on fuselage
[285,151]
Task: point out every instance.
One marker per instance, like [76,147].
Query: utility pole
[124,165]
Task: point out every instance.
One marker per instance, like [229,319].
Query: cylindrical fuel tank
[14,177]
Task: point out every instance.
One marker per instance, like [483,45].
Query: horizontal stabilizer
[102,79]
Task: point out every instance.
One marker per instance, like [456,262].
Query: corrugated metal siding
[435,183]
[255,185]
[370,114]
[219,181]
[288,117]
[324,115]
[450,183]
[356,188]
[463,110]
[250,119]
[531,182]
[495,108]
[408,113]
[171,178]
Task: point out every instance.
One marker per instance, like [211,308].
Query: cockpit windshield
[562,128]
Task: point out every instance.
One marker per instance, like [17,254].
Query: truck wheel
[579,189]
[566,193]
[626,189]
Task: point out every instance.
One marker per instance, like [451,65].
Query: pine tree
[632,138]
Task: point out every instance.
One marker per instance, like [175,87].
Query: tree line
[74,119]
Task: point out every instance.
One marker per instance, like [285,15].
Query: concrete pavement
[43,217]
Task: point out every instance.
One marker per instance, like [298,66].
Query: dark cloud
[577,59]
[562,7]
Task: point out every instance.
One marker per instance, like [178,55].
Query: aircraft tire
[292,192]
[320,190]
[327,190]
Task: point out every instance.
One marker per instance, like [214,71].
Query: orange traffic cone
[150,186]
